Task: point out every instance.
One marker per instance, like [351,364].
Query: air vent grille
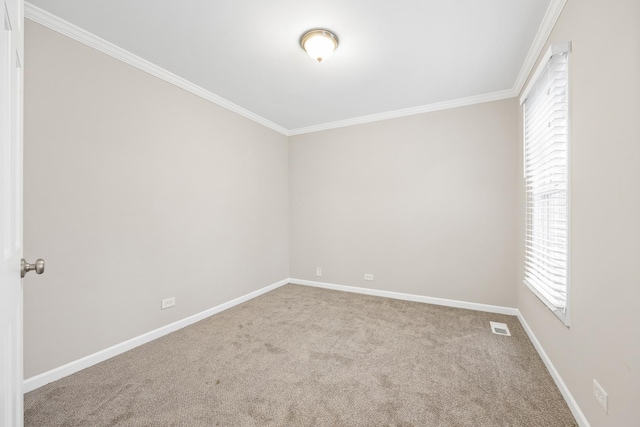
[500,328]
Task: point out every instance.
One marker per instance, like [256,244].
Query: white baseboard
[568,397]
[410,297]
[37,381]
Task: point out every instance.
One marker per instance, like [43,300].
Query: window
[546,172]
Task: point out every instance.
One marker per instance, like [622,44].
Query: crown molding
[544,31]
[445,105]
[548,23]
[55,23]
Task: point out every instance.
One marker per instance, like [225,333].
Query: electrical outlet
[368,276]
[318,271]
[600,395]
[168,302]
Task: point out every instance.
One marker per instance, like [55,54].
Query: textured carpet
[300,356]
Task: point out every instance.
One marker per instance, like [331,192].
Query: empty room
[338,213]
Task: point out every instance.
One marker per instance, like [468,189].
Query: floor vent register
[500,329]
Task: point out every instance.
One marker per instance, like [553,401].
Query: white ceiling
[404,54]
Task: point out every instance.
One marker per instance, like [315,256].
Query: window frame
[554,49]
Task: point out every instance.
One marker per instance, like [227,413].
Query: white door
[11,57]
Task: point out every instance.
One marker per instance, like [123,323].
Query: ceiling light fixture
[319,44]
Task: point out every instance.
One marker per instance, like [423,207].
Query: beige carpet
[301,356]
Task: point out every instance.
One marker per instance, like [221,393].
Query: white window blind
[546,172]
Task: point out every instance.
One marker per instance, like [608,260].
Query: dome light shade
[319,44]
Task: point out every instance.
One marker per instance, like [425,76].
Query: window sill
[562,315]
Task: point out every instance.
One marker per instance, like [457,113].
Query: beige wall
[603,341]
[136,190]
[426,203]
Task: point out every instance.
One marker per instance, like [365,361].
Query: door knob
[25,267]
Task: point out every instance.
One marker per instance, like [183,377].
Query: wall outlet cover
[168,302]
[601,396]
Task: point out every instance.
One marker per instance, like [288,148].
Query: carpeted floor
[301,356]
